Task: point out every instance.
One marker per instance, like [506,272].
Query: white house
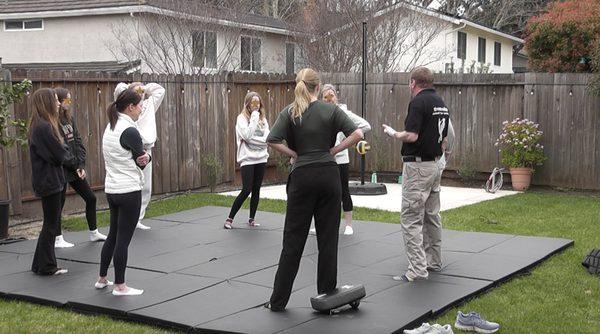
[459,44]
[81,34]
[66,34]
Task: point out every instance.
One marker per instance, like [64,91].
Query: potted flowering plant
[520,150]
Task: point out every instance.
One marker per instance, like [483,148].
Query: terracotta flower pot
[521,178]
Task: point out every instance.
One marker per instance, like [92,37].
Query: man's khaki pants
[421,222]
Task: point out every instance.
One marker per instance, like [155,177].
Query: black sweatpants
[312,190]
[252,177]
[83,189]
[44,259]
[344,179]
[124,214]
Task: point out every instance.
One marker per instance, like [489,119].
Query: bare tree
[181,36]
[399,37]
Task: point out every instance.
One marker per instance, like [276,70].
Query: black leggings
[312,190]
[346,198]
[44,259]
[124,214]
[83,189]
[252,177]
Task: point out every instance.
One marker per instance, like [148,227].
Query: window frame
[481,50]
[204,54]
[252,53]
[23,25]
[291,70]
[497,54]
[458,46]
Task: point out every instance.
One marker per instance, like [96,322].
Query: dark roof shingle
[190,6]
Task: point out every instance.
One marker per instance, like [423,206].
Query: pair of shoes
[268,305]
[60,271]
[472,321]
[60,242]
[312,231]
[141,226]
[348,230]
[228,224]
[252,223]
[100,285]
[97,236]
[426,328]
[129,292]
[402,278]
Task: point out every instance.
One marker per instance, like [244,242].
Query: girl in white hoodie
[251,131]
[343,160]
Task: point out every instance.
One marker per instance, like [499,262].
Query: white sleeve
[246,129]
[119,89]
[261,140]
[155,93]
[450,146]
[360,122]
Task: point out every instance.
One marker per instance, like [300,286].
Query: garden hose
[494,182]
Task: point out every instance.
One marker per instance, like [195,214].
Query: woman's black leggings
[252,177]
[344,178]
[312,191]
[44,259]
[124,214]
[83,189]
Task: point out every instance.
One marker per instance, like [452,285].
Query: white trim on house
[141,9]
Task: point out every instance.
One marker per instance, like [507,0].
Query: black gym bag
[592,262]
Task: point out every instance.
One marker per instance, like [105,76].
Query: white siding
[73,39]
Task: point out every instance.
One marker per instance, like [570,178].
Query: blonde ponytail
[307,81]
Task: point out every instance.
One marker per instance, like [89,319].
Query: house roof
[95,66]
[458,21]
[452,19]
[26,9]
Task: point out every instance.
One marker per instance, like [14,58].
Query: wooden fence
[198,115]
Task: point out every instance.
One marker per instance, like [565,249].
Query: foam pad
[345,294]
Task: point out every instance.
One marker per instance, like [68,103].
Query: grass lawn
[558,296]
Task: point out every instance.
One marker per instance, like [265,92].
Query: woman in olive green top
[310,128]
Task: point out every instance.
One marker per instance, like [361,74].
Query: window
[481,50]
[290,54]
[462,45]
[204,47]
[24,25]
[497,54]
[250,54]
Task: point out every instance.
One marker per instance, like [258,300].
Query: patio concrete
[451,197]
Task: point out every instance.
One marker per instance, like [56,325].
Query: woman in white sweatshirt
[251,131]
[343,160]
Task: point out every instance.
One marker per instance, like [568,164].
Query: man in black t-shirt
[424,138]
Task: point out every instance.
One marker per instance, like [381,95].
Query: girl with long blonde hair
[310,126]
[251,131]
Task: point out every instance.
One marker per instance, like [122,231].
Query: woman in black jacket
[74,169]
[47,154]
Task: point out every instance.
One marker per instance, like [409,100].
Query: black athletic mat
[197,275]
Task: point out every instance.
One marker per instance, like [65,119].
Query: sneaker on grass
[475,323]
